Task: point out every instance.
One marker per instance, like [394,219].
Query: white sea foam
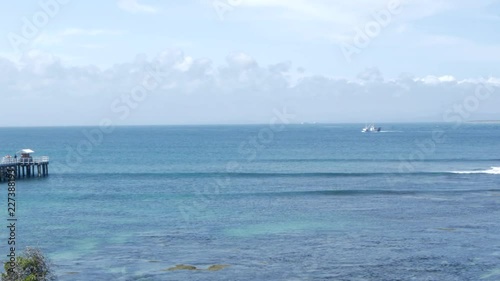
[491,171]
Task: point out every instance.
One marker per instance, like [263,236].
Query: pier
[25,166]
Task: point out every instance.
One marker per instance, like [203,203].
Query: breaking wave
[491,171]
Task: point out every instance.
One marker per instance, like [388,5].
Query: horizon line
[250,124]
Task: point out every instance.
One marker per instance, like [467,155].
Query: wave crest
[491,171]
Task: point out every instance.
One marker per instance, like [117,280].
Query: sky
[146,62]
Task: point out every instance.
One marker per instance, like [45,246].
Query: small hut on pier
[25,165]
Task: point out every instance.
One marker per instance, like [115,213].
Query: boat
[371,129]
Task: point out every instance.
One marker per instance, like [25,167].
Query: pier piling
[24,167]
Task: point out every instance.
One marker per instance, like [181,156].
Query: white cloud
[185,65]
[193,90]
[372,74]
[9,56]
[134,6]
[431,79]
[493,80]
[241,60]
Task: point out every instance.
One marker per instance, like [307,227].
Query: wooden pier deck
[25,167]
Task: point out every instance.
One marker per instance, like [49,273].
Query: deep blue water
[311,202]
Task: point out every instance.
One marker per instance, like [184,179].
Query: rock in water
[217,267]
[182,267]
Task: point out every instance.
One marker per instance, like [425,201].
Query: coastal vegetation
[32,265]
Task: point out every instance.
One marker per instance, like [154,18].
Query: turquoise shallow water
[314,202]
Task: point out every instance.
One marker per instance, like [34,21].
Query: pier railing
[24,167]
[31,160]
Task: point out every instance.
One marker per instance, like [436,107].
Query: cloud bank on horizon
[238,61]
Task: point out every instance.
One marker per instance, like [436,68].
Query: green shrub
[31,266]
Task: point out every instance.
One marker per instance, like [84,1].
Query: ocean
[294,202]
